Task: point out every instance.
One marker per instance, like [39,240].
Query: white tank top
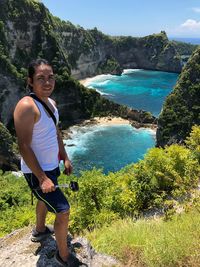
[44,141]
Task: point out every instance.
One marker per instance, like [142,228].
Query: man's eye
[40,79]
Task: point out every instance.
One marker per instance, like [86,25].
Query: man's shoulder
[26,104]
[26,100]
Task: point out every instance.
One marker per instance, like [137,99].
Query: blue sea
[195,41]
[113,147]
[107,147]
[139,89]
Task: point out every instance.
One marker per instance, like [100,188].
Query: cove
[113,147]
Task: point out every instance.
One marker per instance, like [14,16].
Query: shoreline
[113,120]
[110,121]
[84,81]
[107,121]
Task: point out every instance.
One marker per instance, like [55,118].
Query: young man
[39,144]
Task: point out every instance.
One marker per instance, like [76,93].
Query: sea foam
[128,71]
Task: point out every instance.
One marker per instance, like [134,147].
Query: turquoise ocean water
[138,89]
[108,147]
[113,147]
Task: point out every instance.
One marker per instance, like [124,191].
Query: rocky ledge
[17,250]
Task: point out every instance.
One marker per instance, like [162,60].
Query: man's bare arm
[63,154]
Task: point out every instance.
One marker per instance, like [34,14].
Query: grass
[18,217]
[16,210]
[149,243]
[152,243]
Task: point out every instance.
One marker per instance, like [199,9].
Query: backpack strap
[45,106]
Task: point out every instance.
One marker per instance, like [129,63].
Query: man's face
[43,81]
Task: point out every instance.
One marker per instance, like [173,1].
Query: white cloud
[196,9]
[189,28]
[191,24]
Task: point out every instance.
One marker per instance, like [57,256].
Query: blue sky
[179,18]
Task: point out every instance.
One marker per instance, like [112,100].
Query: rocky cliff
[154,52]
[8,152]
[181,109]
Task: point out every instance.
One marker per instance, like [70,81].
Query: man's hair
[33,65]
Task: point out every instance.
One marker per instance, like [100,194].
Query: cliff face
[153,52]
[87,51]
[181,109]
[24,35]
[9,95]
[8,154]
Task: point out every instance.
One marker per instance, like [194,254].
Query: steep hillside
[182,107]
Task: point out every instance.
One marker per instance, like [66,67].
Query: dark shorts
[55,201]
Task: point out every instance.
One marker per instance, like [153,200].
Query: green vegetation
[184,48]
[193,141]
[15,204]
[160,181]
[163,179]
[110,66]
[6,140]
[14,199]
[160,39]
[181,109]
[164,176]
[8,158]
[121,43]
[152,243]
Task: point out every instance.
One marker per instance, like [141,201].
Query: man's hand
[68,167]
[47,186]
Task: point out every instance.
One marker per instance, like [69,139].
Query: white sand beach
[85,81]
[100,77]
[109,121]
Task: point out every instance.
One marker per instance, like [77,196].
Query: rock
[17,250]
